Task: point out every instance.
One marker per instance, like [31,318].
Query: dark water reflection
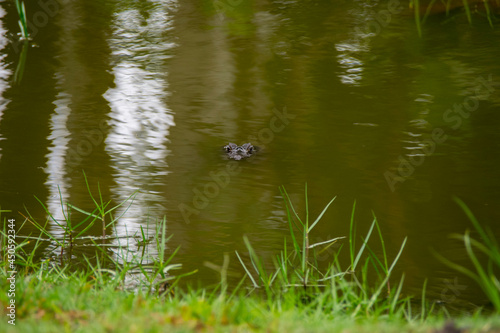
[143,95]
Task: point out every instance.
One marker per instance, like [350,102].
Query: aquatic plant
[73,230]
[465,4]
[23,24]
[24,38]
[151,275]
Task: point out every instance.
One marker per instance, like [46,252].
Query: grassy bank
[296,295]
[75,304]
[56,302]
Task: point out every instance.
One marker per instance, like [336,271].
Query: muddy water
[343,96]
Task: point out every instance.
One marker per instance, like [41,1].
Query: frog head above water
[239,152]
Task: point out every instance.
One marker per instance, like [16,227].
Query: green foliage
[106,267]
[73,230]
[60,301]
[299,296]
[485,276]
[297,274]
[25,38]
[23,25]
[419,21]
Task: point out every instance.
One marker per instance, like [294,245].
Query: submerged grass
[24,37]
[298,295]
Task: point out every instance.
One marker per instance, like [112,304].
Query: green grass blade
[246,270]
[456,267]
[384,253]
[397,294]
[291,222]
[307,209]
[288,202]
[321,215]
[91,214]
[374,297]
[416,6]
[422,312]
[484,280]
[333,240]
[256,263]
[87,227]
[467,10]
[475,222]
[361,250]
[131,198]
[351,234]
[428,11]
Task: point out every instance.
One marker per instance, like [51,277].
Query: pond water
[342,95]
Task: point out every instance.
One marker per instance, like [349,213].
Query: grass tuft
[297,275]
